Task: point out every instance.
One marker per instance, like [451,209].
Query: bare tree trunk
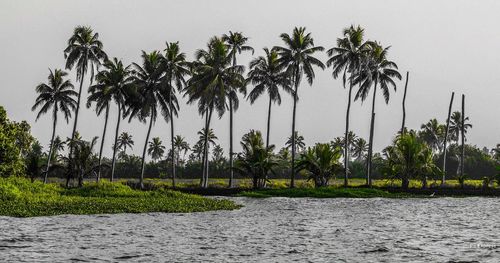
[102,143]
[463,138]
[268,121]
[370,145]
[113,162]
[206,148]
[404,106]
[51,145]
[202,180]
[443,180]
[346,138]
[74,129]
[141,179]
[231,174]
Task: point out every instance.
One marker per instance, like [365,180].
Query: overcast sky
[451,45]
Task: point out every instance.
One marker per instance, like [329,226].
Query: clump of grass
[21,198]
[323,192]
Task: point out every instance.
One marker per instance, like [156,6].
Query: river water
[269,230]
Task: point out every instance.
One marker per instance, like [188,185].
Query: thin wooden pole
[443,180]
[404,100]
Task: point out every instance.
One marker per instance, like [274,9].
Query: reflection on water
[269,230]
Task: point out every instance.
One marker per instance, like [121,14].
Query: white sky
[449,45]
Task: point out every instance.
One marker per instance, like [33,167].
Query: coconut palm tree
[180,145]
[213,78]
[321,162]
[175,68]
[379,72]
[156,149]
[267,76]
[84,51]
[114,82]
[125,141]
[236,43]
[360,148]
[346,59]
[299,142]
[152,97]
[456,126]
[297,57]
[57,94]
[256,160]
[432,133]
[57,147]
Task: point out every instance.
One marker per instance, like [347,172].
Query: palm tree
[433,134]
[456,126]
[213,78]
[151,98]
[156,149]
[256,160]
[210,137]
[321,162]
[125,141]
[299,142]
[297,57]
[267,75]
[180,145]
[57,147]
[57,95]
[114,83]
[377,71]
[346,59]
[360,148]
[84,50]
[175,66]
[102,96]
[236,44]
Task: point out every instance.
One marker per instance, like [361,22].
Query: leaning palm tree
[379,72]
[175,67]
[267,76]
[346,59]
[297,57]
[152,97]
[116,84]
[84,50]
[57,95]
[125,141]
[236,43]
[213,78]
[156,149]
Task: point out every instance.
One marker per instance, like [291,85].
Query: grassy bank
[324,192]
[21,198]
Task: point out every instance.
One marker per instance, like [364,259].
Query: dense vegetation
[21,198]
[148,92]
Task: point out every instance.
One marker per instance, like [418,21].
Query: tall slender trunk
[172,132]
[268,121]
[292,179]
[404,106]
[202,180]
[51,145]
[462,155]
[370,145]
[443,179]
[206,163]
[113,162]
[346,137]
[102,143]
[68,177]
[143,164]
[231,174]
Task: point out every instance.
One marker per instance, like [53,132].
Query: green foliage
[11,148]
[321,162]
[21,198]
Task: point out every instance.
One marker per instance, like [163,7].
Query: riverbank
[21,198]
